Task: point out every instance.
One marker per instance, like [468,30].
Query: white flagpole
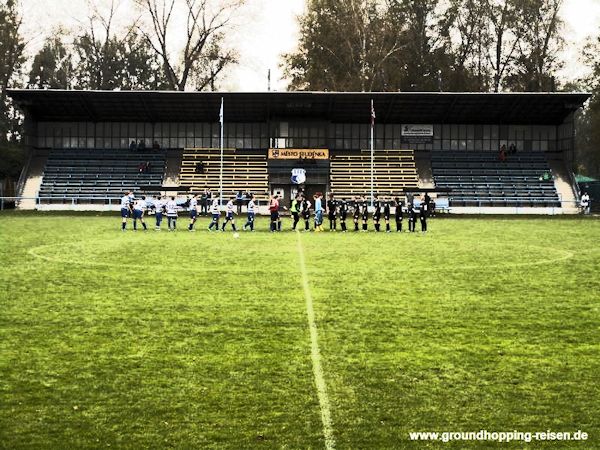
[372,151]
[221,168]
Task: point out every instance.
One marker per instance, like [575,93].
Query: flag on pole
[372,115]
[221,112]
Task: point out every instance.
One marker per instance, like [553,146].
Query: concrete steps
[34,175]
[563,186]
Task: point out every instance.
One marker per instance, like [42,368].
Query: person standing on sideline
[376,212]
[139,208]
[251,212]
[306,213]
[193,211]
[295,210]
[331,207]
[215,211]
[387,213]
[171,208]
[274,211]
[585,203]
[343,206]
[423,215]
[365,214]
[203,203]
[239,201]
[318,197]
[125,210]
[229,212]
[412,217]
[356,212]
[159,206]
[399,214]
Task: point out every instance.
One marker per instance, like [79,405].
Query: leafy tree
[107,60]
[537,53]
[588,120]
[12,58]
[53,65]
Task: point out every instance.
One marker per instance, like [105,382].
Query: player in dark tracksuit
[356,212]
[399,214]
[387,214]
[306,213]
[332,213]
[343,206]
[412,217]
[364,212]
[376,212]
[423,215]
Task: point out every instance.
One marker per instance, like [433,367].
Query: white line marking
[315,354]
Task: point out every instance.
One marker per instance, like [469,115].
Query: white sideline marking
[315,354]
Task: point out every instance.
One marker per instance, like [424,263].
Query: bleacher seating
[393,171]
[244,170]
[97,174]
[481,179]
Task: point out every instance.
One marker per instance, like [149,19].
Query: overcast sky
[269,28]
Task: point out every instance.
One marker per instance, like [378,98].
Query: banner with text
[417,134]
[298,153]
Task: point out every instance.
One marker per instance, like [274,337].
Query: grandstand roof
[354,107]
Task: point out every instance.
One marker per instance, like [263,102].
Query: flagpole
[372,150]
[221,168]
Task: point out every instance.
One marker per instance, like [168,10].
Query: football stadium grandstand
[473,152]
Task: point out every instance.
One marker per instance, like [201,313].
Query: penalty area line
[315,354]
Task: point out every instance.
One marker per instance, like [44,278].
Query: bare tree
[505,34]
[204,55]
[537,58]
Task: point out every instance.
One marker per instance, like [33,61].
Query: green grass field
[198,340]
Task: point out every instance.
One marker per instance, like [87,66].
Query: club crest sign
[298,176]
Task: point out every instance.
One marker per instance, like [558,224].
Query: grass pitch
[198,340]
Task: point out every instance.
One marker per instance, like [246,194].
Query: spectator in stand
[142,145]
[148,167]
[512,149]
[132,146]
[155,145]
[142,167]
[502,154]
[546,176]
[585,203]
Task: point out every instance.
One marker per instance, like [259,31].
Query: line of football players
[335,210]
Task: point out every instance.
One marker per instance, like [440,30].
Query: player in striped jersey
[139,208]
[356,212]
[125,210]
[216,214]
[376,212]
[230,211]
[365,214]
[251,212]
[159,206]
[193,208]
[343,207]
[387,208]
[171,209]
